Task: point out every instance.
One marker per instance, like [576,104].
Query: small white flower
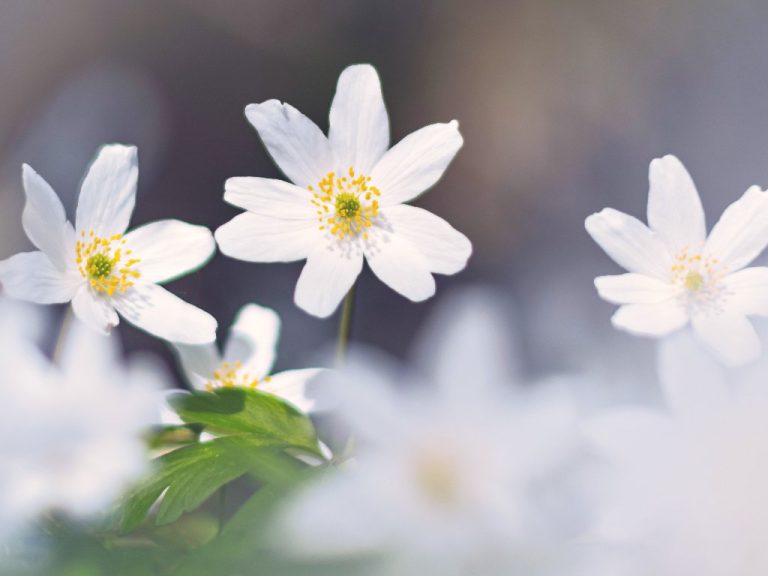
[347,199]
[461,477]
[678,274]
[688,491]
[98,267]
[72,436]
[247,360]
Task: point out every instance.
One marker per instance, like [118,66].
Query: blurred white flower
[98,268]
[678,274]
[462,476]
[71,435]
[247,360]
[688,492]
[347,199]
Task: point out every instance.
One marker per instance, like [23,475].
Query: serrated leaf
[191,474]
[243,411]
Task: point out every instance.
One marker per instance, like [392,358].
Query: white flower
[100,269]
[689,486]
[72,437]
[347,199]
[463,476]
[678,274]
[247,360]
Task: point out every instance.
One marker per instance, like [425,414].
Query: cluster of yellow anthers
[695,271]
[229,376]
[105,263]
[346,205]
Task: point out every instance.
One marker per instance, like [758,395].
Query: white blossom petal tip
[108,192]
[45,221]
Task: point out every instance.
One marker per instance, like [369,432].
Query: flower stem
[66,325]
[222,506]
[345,327]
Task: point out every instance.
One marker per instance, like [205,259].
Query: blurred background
[562,105]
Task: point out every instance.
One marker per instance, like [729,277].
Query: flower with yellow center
[485,479]
[679,275]
[99,267]
[348,199]
[246,361]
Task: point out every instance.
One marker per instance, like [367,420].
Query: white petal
[416,163]
[651,319]
[630,243]
[169,248]
[94,310]
[295,386]
[674,206]
[295,143]
[747,291]
[45,221]
[198,362]
[325,280]
[730,336]
[359,125]
[363,394]
[108,193]
[31,276]
[253,339]
[256,238]
[270,197]
[693,382]
[626,433]
[445,249]
[633,289]
[166,316]
[742,231]
[87,356]
[468,333]
[398,264]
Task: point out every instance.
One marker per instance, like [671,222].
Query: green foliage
[254,431]
[243,411]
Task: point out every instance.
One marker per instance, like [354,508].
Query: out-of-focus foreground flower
[71,433]
[467,474]
[247,360]
[688,488]
[97,267]
[678,274]
[347,200]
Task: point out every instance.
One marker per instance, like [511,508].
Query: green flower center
[106,263]
[347,205]
[99,266]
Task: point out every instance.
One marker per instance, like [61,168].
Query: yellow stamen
[231,375]
[102,262]
[346,205]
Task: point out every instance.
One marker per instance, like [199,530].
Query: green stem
[345,327]
[66,325]
[222,506]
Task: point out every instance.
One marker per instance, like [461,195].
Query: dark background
[562,105]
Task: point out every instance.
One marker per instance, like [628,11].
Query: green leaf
[172,436]
[244,411]
[192,473]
